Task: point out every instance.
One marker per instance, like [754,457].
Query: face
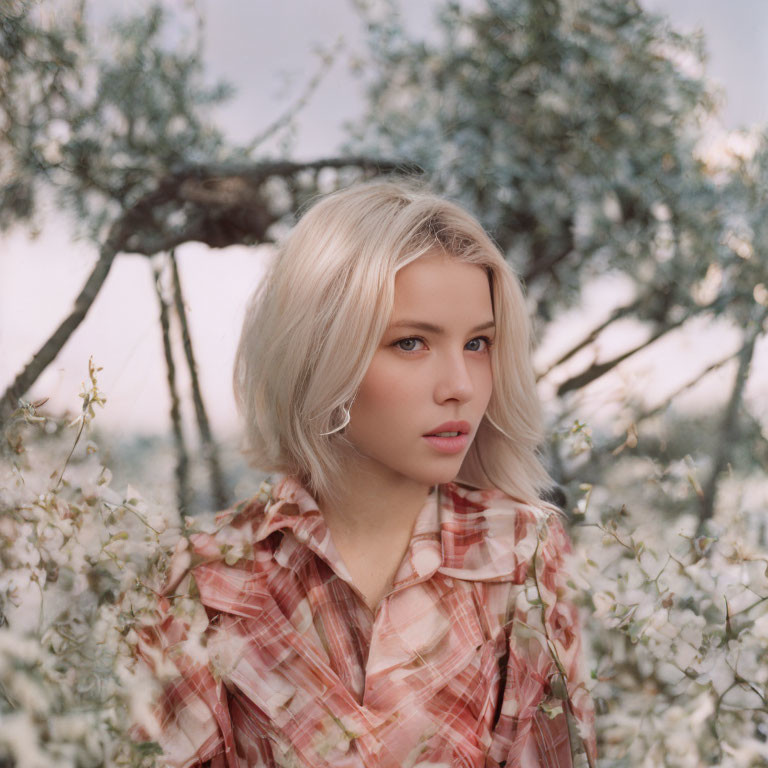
[433,366]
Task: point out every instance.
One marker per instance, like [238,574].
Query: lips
[462,427]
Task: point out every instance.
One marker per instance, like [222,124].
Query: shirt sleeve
[546,719]
[193,723]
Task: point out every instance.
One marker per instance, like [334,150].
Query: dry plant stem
[72,450]
[183,494]
[210,451]
[129,508]
[90,397]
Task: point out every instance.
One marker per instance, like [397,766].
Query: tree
[572,128]
[116,131]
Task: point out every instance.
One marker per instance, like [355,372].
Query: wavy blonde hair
[312,327]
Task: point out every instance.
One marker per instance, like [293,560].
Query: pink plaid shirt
[472,659]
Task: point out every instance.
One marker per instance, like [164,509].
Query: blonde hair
[314,323]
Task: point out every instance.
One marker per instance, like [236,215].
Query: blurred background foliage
[576,130]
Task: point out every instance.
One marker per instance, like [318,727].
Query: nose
[453,379]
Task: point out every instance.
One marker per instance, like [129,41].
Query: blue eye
[485,340]
[408,341]
[408,345]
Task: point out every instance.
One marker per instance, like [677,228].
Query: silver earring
[345,421]
[494,424]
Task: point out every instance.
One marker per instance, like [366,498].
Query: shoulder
[489,535]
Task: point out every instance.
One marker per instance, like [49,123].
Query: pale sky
[266,50]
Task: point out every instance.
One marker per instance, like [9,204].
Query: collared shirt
[473,658]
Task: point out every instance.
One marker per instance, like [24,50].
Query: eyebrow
[430,328]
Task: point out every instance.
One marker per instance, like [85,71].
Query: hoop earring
[496,426]
[345,421]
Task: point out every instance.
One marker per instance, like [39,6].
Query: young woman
[397,595]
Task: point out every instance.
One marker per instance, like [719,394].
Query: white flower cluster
[77,560]
[676,626]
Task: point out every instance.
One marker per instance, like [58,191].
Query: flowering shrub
[676,624]
[77,561]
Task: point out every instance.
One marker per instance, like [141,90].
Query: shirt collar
[462,532]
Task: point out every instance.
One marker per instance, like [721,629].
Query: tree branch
[210,451]
[617,314]
[47,353]
[596,370]
[219,204]
[545,264]
[183,494]
[326,61]
[611,448]
[729,427]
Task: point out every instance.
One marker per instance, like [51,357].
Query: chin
[439,475]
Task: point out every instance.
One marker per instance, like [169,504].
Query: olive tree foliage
[555,120]
[104,116]
[96,122]
[573,129]
[117,130]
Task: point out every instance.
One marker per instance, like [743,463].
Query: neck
[374,502]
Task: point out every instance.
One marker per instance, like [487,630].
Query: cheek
[486,379]
[386,387]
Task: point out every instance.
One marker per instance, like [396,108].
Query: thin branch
[210,451]
[260,171]
[711,368]
[661,407]
[326,61]
[617,314]
[596,370]
[183,494]
[51,348]
[565,694]
[545,264]
[729,427]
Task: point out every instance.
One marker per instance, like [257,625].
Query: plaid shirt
[472,659]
